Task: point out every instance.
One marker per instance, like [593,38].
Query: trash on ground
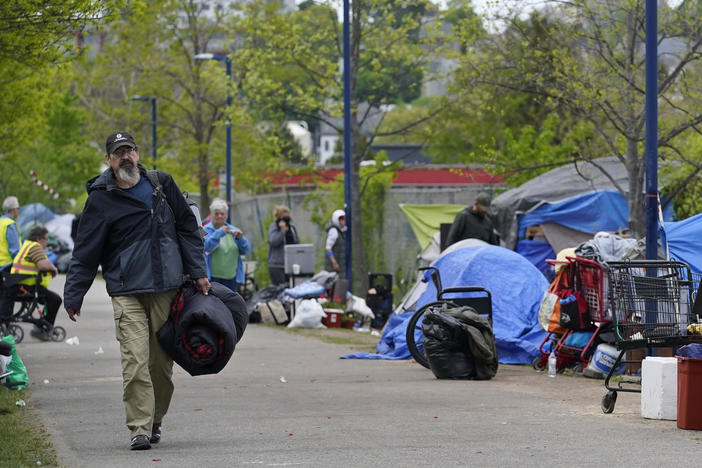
[20,403]
[282,379]
[99,351]
[73,341]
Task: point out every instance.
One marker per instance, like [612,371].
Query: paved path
[334,413]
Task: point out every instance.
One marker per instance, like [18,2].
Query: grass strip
[24,441]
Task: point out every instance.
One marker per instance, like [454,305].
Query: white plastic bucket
[603,359]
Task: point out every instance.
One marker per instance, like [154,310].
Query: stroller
[31,309]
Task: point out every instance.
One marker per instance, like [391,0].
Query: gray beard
[129,174]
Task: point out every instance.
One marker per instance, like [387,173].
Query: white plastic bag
[358,305]
[308,314]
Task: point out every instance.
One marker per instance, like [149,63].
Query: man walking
[473,223]
[138,226]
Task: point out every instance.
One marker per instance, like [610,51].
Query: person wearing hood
[281,232]
[474,223]
[335,246]
[224,246]
[137,226]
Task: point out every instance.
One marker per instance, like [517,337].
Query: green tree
[376,180]
[151,51]
[381,41]
[36,42]
[595,72]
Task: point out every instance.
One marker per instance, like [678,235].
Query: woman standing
[224,246]
[281,232]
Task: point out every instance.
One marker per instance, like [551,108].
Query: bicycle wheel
[413,325]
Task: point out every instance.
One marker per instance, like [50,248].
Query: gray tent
[589,191]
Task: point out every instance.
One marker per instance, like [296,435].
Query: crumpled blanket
[309,288]
[202,331]
[606,247]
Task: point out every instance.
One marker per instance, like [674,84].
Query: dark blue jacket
[140,250]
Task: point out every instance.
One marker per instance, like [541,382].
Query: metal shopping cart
[651,303]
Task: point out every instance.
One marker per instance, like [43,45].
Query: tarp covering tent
[570,204]
[516,289]
[684,241]
[32,214]
[426,220]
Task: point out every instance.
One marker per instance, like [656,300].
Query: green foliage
[288,148]
[389,48]
[376,180]
[36,41]
[583,62]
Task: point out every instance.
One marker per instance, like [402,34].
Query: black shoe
[140,442]
[155,433]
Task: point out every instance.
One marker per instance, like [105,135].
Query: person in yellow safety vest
[32,260]
[9,246]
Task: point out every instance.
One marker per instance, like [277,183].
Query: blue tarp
[34,213]
[605,210]
[516,287]
[537,252]
[684,241]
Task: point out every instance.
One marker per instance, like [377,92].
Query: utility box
[659,388]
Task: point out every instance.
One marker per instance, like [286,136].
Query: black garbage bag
[202,331]
[445,344]
[266,294]
[459,344]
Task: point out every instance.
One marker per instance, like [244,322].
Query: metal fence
[400,247]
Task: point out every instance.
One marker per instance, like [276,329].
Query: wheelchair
[478,298]
[31,307]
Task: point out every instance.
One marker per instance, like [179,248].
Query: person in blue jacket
[224,246]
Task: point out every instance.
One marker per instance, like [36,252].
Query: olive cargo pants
[146,369]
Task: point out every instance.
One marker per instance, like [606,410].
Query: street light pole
[347,142]
[153,123]
[228,155]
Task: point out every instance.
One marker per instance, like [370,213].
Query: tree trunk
[202,173]
[636,169]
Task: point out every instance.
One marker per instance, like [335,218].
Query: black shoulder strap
[155,179]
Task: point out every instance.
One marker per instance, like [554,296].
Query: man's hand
[73,313]
[237,234]
[203,285]
[334,263]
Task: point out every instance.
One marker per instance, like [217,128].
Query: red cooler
[689,391]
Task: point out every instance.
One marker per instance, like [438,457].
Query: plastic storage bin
[689,389]
[333,318]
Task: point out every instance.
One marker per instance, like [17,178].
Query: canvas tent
[569,204]
[516,289]
[683,238]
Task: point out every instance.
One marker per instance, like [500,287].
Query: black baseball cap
[117,140]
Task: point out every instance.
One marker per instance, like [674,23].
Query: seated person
[32,260]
